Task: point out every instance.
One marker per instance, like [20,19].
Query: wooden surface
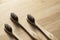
[40,9]
[52,24]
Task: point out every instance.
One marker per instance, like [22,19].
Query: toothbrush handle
[29,32]
[14,37]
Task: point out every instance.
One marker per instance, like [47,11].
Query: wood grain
[40,9]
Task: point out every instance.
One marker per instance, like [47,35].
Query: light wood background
[46,13]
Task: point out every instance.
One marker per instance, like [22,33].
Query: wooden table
[40,9]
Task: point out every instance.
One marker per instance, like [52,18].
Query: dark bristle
[31,18]
[14,16]
[8,28]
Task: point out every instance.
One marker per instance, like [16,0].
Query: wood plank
[37,8]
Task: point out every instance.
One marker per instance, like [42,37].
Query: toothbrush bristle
[8,28]
[31,18]
[14,16]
